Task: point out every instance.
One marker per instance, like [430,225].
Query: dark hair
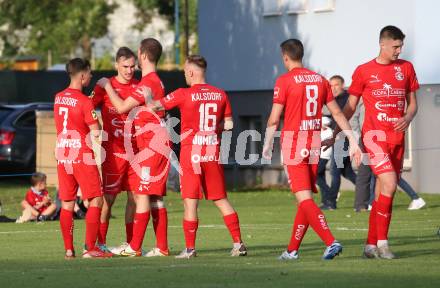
[391,32]
[339,77]
[76,65]
[198,60]
[152,48]
[38,177]
[293,48]
[125,52]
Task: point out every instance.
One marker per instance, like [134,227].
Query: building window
[320,6]
[272,8]
[296,6]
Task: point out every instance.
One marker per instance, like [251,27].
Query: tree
[146,9]
[62,28]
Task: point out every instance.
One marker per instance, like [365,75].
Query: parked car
[18,136]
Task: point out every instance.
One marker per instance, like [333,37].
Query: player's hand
[327,143]
[402,123]
[102,82]
[355,154]
[267,152]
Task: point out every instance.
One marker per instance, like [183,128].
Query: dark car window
[4,112]
[26,120]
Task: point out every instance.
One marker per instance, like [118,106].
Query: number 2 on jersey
[312,96]
[65,111]
[205,109]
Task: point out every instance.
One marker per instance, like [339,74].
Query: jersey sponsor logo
[196,158]
[311,124]
[381,106]
[385,118]
[388,91]
[307,78]
[206,96]
[306,152]
[118,123]
[375,78]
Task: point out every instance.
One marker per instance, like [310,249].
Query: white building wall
[242,45]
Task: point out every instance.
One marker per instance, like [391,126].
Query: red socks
[129,231]
[383,216]
[299,230]
[372,227]
[190,231]
[317,220]
[102,235]
[92,226]
[139,228]
[66,225]
[233,225]
[160,225]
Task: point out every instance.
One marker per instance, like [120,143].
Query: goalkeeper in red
[205,112]
[300,94]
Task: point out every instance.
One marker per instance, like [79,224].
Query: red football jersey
[35,199]
[113,122]
[203,108]
[303,93]
[384,89]
[143,118]
[73,113]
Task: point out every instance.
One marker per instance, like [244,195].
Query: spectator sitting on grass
[37,204]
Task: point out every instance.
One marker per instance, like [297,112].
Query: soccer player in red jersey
[387,85]
[117,174]
[76,121]
[152,161]
[301,94]
[205,112]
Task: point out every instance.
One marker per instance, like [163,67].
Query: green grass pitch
[31,254]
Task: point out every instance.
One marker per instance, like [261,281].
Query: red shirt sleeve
[328,96]
[174,99]
[90,116]
[30,198]
[97,96]
[357,84]
[280,92]
[413,83]
[228,110]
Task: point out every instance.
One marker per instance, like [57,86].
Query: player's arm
[411,110]
[95,130]
[342,122]
[272,126]
[122,106]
